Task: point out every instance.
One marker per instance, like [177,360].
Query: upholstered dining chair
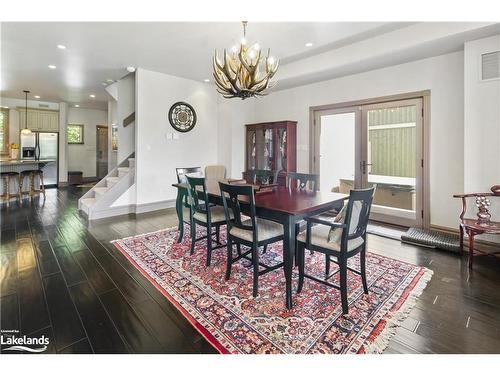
[341,240]
[302,181]
[215,172]
[205,215]
[252,232]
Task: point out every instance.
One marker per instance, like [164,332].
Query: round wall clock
[182,117]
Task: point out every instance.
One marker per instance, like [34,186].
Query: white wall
[443,75]
[481,119]
[83,157]
[125,106]
[156,156]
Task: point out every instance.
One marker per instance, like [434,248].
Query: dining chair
[342,240]
[262,176]
[205,215]
[302,181]
[252,232]
[215,172]
[181,179]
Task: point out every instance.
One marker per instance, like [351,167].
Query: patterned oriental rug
[227,315]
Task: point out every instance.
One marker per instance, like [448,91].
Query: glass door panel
[391,160]
[338,150]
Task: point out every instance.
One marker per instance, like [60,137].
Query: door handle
[363,166]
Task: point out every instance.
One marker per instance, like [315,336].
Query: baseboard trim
[154,206]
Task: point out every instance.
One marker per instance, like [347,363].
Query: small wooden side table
[482,224]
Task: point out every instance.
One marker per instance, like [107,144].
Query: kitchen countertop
[10,162]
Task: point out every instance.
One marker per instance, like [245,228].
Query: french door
[374,144]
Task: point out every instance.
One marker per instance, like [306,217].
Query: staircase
[98,202]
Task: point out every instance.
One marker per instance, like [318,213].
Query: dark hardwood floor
[61,277]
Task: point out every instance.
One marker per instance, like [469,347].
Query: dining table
[288,206]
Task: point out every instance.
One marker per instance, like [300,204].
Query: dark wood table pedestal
[283,205]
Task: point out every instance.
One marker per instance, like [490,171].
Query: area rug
[230,319]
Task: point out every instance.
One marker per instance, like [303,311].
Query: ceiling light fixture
[77,105]
[26,131]
[52,66]
[309,44]
[206,80]
[130,69]
[37,96]
[92,96]
[61,46]
[243,72]
[109,80]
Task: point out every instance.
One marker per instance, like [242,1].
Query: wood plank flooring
[61,277]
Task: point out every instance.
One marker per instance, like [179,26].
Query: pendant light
[26,131]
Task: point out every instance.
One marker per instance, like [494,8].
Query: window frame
[82,127]
[6,129]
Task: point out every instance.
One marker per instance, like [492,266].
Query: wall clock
[182,117]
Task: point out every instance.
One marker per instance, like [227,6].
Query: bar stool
[6,177]
[32,174]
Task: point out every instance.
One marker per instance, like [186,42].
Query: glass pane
[392,156]
[337,152]
[268,150]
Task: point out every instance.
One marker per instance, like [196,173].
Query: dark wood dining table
[281,204]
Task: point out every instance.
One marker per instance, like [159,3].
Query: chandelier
[244,72]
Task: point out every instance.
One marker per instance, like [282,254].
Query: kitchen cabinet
[39,120]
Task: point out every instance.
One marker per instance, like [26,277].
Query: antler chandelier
[244,72]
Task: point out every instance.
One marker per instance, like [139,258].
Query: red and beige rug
[227,315]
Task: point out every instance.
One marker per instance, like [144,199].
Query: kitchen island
[48,166]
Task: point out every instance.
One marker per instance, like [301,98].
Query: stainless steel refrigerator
[44,147]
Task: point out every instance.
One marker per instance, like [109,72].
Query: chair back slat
[182,172]
[302,180]
[262,176]
[357,214]
[232,195]
[197,187]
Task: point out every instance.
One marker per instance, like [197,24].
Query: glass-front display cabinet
[271,146]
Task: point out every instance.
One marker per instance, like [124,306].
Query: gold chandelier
[244,72]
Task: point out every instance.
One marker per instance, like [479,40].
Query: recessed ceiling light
[206,80]
[37,96]
[61,46]
[109,80]
[309,44]
[4,106]
[104,83]
[52,67]
[130,69]
[92,95]
[77,105]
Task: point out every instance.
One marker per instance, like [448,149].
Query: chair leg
[362,256]
[265,249]
[301,265]
[327,265]
[343,284]
[238,248]
[229,257]
[255,261]
[42,185]
[20,185]
[217,234]
[209,245]
[461,239]
[193,236]
[471,249]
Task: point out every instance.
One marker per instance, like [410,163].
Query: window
[75,134]
[4,130]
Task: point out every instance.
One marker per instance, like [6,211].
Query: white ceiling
[99,51]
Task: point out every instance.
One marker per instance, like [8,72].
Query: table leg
[471,248]
[178,208]
[288,256]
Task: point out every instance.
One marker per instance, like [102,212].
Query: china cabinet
[271,146]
